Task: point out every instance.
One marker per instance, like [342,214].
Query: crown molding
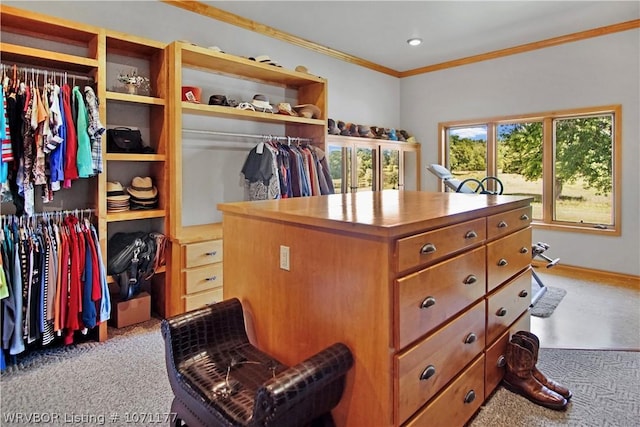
[247,24]
[555,41]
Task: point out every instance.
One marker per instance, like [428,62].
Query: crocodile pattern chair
[219,379]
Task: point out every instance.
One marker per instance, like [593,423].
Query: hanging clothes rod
[75,212]
[25,70]
[249,135]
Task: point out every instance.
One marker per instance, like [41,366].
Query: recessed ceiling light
[414,41]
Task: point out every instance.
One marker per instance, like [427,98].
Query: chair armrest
[317,382]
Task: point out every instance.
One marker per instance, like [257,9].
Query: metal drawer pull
[524,217]
[502,361]
[502,262]
[523,293]
[429,248]
[214,253]
[470,397]
[210,279]
[470,280]
[471,235]
[502,312]
[502,224]
[428,302]
[471,338]
[428,372]
[524,250]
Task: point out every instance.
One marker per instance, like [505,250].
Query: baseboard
[582,273]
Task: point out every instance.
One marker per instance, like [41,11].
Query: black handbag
[124,140]
[132,260]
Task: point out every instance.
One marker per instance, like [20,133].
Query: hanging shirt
[57,156]
[83,156]
[5,130]
[70,165]
[96,129]
[105,300]
[42,118]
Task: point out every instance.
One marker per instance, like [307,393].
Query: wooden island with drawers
[424,288]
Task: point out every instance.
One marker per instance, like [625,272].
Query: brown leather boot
[519,377]
[542,378]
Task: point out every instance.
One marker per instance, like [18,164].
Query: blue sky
[479,132]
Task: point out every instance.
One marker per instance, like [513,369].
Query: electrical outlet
[284,257]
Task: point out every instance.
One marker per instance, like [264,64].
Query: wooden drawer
[495,361]
[426,248]
[193,301]
[426,299]
[457,403]
[203,278]
[507,304]
[507,222]
[202,253]
[507,257]
[428,366]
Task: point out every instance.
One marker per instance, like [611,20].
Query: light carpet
[124,379]
[545,306]
[605,386]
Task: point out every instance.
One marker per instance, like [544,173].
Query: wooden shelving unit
[148,111]
[308,89]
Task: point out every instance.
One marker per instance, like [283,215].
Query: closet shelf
[123,157]
[137,99]
[47,59]
[43,26]
[227,64]
[356,139]
[132,215]
[132,46]
[234,113]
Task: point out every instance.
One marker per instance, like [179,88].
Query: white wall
[593,72]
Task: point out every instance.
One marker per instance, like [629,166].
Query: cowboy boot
[519,377]
[542,378]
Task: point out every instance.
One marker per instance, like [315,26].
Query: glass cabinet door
[390,169]
[365,167]
[340,159]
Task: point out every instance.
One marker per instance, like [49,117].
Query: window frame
[547,118]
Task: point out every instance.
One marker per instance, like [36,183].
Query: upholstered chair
[220,379]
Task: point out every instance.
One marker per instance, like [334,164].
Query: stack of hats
[117,199]
[144,195]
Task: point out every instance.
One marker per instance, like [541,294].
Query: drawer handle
[214,253]
[471,235]
[471,338]
[502,361]
[470,280]
[502,224]
[502,312]
[470,397]
[524,250]
[524,217]
[428,302]
[503,262]
[429,248]
[428,372]
[523,293]
[210,279]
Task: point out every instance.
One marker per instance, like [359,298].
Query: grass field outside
[576,203]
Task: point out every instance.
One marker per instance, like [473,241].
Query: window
[568,162]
